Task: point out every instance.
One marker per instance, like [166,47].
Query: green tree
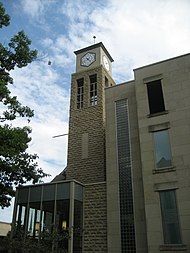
[16,165]
[47,243]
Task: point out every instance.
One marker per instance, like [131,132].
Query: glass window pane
[80,90]
[106,82]
[47,217]
[63,191]
[78,226]
[78,192]
[162,149]
[22,195]
[49,192]
[31,221]
[93,78]
[125,177]
[34,220]
[21,216]
[62,225]
[35,193]
[170,220]
[93,90]
[155,97]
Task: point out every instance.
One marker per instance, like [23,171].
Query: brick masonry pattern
[95,219]
[91,120]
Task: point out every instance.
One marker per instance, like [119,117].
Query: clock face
[106,63]
[88,59]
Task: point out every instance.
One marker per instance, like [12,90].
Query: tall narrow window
[127,222]
[155,97]
[170,221]
[162,149]
[80,92]
[93,90]
[106,82]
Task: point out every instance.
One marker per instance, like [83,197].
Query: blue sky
[135,32]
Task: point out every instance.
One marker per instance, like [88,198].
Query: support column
[71,217]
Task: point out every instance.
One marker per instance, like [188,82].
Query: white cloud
[41,88]
[135,32]
[33,8]
[143,31]
[60,52]
[52,151]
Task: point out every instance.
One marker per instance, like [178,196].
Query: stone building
[126,187]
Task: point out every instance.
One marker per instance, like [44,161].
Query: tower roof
[100,44]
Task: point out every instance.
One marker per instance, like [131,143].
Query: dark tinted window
[155,97]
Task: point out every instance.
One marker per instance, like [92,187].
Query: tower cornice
[100,44]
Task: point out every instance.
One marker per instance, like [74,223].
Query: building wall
[175,75]
[87,158]
[93,154]
[119,92]
[4,228]
[95,218]
[89,121]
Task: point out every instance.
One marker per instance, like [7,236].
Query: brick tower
[86,146]
[86,161]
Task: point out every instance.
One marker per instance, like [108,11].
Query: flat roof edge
[48,183]
[169,59]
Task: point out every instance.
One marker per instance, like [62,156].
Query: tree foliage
[16,165]
[47,243]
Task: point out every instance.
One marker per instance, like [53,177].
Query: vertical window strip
[93,90]
[125,178]
[170,220]
[80,92]
[106,82]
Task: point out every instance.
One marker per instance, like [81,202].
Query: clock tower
[86,146]
[93,56]
[86,161]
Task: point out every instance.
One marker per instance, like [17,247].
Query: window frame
[106,81]
[169,150]
[152,95]
[93,100]
[80,93]
[167,237]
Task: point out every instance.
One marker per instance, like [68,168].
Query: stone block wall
[88,121]
[95,218]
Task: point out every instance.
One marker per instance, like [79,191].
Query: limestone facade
[175,78]
[118,93]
